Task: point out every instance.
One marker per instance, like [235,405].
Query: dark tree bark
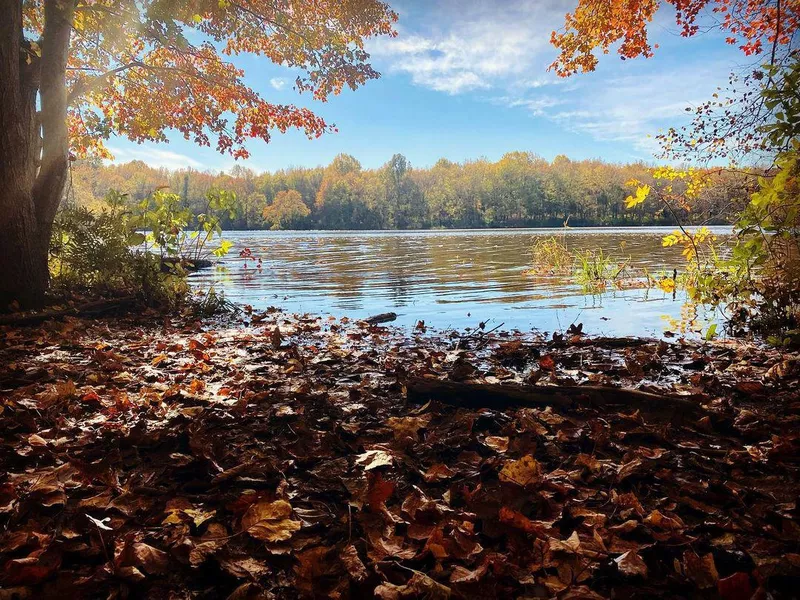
[34,147]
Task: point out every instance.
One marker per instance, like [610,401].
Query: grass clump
[593,269]
[550,257]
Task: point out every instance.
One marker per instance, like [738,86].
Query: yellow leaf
[270,521]
[669,240]
[523,472]
[667,284]
[640,196]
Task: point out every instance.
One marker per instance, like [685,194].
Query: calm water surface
[446,278]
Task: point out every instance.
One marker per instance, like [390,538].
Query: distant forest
[520,190]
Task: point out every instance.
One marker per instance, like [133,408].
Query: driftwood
[381,318]
[97,307]
[611,342]
[485,395]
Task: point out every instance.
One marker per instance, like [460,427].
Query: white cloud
[483,47]
[500,51]
[539,82]
[633,108]
[278,83]
[537,106]
[155,157]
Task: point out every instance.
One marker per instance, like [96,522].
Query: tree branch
[98,81]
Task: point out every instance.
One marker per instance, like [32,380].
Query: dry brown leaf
[407,428]
[151,559]
[275,338]
[244,567]
[631,564]
[519,521]
[571,545]
[352,562]
[374,459]
[700,569]
[270,521]
[660,520]
[419,586]
[379,491]
[496,443]
[438,472]
[31,569]
[248,591]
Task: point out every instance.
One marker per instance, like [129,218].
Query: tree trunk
[34,148]
[23,266]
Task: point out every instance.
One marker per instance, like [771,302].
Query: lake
[452,278]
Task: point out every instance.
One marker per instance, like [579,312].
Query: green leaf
[136,239]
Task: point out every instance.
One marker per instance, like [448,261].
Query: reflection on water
[447,278]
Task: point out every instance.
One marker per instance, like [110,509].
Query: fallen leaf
[631,564]
[379,491]
[270,521]
[100,524]
[275,338]
[151,559]
[658,519]
[373,459]
[735,587]
[701,569]
[523,472]
[547,363]
[352,562]
[32,569]
[496,443]
[438,472]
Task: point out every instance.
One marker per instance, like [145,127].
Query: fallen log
[487,395]
[381,318]
[611,342]
[94,308]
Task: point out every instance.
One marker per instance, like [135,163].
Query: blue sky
[468,79]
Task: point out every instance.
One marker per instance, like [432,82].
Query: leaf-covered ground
[187,461]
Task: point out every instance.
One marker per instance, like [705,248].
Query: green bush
[140,251]
[180,237]
[92,251]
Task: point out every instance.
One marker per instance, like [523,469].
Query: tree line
[519,190]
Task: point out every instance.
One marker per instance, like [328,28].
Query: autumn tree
[75,72]
[755,119]
[286,210]
[341,199]
[597,25]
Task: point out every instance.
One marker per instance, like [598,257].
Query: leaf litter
[282,459]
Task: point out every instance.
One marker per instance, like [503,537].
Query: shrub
[106,253]
[180,237]
[91,251]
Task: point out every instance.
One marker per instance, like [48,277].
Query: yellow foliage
[667,284]
[640,196]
